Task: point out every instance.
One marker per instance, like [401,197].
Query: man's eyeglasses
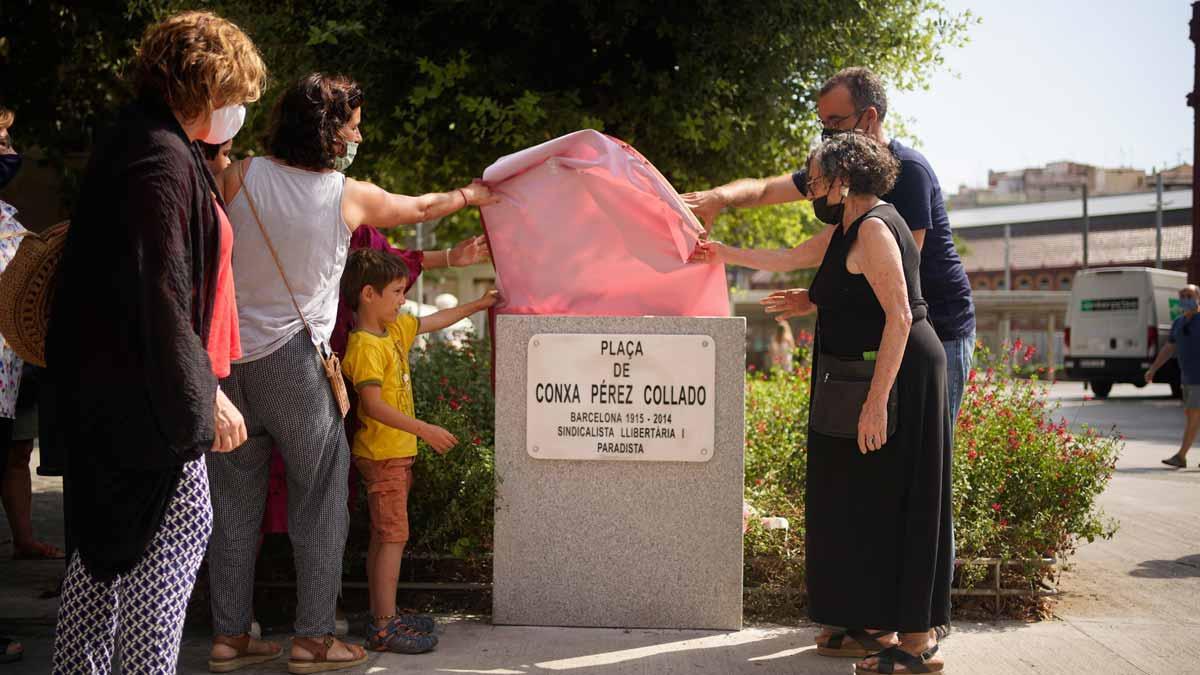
[834,123]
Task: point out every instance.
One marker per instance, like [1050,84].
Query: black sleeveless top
[850,319]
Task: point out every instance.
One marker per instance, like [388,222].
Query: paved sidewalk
[1130,603]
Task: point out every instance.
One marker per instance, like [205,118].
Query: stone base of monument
[619,471]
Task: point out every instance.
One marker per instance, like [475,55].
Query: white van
[1118,319]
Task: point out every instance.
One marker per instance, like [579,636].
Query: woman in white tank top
[309,210]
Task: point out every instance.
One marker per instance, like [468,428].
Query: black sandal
[893,656]
[863,643]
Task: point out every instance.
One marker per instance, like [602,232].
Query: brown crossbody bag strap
[331,363]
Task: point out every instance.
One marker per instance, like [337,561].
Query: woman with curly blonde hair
[143,325]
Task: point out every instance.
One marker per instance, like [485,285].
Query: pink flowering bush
[1025,484]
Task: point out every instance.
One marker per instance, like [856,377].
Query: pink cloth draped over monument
[587,226]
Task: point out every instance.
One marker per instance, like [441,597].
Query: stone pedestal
[620,541]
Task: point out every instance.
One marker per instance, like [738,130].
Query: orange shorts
[388,482]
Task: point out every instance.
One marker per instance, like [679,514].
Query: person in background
[18,389]
[779,351]
[1184,345]
[216,155]
[11,233]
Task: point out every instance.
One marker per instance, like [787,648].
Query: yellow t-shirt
[383,360]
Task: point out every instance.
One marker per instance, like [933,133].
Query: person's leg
[238,486]
[960,356]
[153,596]
[1191,415]
[87,623]
[17,494]
[305,422]
[1189,431]
[12,648]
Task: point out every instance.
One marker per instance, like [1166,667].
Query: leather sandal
[243,658]
[895,656]
[854,643]
[320,663]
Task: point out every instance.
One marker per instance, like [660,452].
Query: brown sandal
[241,645]
[320,663]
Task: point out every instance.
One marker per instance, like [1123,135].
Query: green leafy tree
[708,90]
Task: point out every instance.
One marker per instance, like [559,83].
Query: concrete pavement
[1130,604]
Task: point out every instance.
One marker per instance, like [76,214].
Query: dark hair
[368,267]
[864,164]
[307,118]
[211,150]
[865,87]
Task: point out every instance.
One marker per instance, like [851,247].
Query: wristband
[448,263]
[466,202]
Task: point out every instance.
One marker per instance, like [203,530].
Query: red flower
[996,507]
[971,376]
[1003,522]
[476,441]
[455,405]
[751,368]
[758,481]
[1017,345]
[971,454]
[1029,352]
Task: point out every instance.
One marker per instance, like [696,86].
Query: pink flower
[996,507]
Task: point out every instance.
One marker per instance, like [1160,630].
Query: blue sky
[1101,82]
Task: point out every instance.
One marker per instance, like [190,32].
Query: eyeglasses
[834,123]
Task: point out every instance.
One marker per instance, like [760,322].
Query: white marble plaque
[620,397]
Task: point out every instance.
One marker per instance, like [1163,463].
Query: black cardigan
[126,345]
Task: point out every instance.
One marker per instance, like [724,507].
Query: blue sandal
[398,638]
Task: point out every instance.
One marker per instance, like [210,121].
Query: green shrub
[1025,485]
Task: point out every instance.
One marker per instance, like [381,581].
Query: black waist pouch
[840,388]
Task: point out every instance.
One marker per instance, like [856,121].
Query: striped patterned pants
[139,613]
[286,401]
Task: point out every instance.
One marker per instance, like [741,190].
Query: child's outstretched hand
[438,438]
[488,299]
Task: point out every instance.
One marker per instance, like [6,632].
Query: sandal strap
[238,643]
[318,649]
[890,657]
[835,639]
[869,640]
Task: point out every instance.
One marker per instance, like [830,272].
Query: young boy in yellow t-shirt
[385,444]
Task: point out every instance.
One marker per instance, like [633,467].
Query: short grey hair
[865,87]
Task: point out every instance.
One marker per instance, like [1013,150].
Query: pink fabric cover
[587,226]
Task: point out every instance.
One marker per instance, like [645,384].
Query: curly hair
[369,267]
[308,117]
[197,62]
[864,164]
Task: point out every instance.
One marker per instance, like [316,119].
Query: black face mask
[827,134]
[830,214]
[9,166]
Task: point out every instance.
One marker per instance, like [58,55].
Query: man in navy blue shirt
[1184,344]
[854,100]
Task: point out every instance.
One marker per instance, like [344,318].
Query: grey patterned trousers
[286,401]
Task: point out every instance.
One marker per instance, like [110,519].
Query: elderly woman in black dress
[878,490]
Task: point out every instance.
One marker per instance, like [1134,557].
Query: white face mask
[226,122]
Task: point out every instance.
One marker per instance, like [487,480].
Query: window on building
[1024,283]
[1064,282]
[1044,282]
[1000,285]
[981,283]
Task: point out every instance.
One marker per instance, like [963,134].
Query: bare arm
[365,202]
[807,255]
[919,235]
[466,252]
[881,265]
[742,193]
[449,317]
[1164,355]
[370,401]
